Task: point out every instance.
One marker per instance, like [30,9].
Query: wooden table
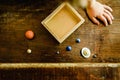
[16,17]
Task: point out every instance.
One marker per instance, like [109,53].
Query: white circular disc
[85,52]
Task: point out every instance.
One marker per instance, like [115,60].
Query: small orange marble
[29,34]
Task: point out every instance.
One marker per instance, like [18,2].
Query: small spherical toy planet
[78,40]
[58,52]
[29,51]
[29,34]
[68,48]
[94,56]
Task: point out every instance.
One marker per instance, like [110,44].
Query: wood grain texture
[103,73]
[18,16]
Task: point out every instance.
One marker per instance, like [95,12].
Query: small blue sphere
[78,40]
[68,48]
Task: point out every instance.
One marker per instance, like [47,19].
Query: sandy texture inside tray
[63,21]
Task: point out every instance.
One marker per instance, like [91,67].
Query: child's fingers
[106,11]
[95,20]
[103,19]
[108,18]
[108,8]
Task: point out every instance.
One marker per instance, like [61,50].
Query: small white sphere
[58,52]
[29,51]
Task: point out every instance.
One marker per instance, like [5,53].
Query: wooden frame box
[63,21]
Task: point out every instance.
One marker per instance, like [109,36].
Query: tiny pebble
[94,56]
[68,48]
[78,40]
[103,77]
[58,52]
[29,51]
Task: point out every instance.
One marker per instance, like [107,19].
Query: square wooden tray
[63,21]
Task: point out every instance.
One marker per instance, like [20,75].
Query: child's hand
[100,11]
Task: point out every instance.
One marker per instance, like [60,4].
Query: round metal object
[85,52]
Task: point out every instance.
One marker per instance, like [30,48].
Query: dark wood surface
[17,16]
[102,73]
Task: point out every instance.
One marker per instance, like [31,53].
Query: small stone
[58,52]
[103,77]
[78,40]
[94,56]
[68,48]
[29,51]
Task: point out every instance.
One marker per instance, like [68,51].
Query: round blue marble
[68,48]
[78,40]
